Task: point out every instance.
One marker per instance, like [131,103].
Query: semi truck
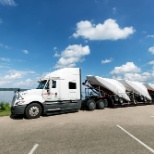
[61,92]
[57,92]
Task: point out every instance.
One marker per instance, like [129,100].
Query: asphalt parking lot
[122,130]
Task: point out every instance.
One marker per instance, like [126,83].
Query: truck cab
[58,91]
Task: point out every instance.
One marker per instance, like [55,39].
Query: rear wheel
[106,103]
[100,104]
[91,105]
[33,111]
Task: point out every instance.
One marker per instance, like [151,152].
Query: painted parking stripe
[33,149]
[139,141]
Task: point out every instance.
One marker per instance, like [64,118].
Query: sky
[107,38]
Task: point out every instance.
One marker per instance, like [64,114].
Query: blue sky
[108,38]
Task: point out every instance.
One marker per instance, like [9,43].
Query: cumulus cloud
[106,61]
[8,2]
[151,62]
[142,77]
[72,55]
[109,30]
[27,82]
[151,49]
[56,54]
[14,74]
[129,67]
[18,79]
[130,71]
[26,52]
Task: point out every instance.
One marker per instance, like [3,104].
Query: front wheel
[33,111]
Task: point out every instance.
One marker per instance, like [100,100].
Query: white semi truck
[57,92]
[60,92]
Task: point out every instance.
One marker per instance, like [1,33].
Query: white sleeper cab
[58,91]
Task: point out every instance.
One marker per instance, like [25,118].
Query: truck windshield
[41,84]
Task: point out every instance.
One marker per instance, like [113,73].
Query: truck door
[52,91]
[51,96]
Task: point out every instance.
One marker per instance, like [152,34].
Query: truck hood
[31,91]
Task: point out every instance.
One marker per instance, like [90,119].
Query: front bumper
[18,110]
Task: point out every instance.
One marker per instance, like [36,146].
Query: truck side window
[53,84]
[72,85]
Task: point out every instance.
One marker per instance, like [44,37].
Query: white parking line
[33,149]
[139,141]
[152,116]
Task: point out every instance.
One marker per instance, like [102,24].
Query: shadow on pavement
[17,117]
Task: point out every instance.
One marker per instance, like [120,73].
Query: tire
[91,105]
[100,104]
[106,102]
[33,111]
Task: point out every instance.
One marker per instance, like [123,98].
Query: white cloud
[3,46]
[114,10]
[8,2]
[106,61]
[11,76]
[56,54]
[151,49]
[72,55]
[129,67]
[55,48]
[18,79]
[28,83]
[14,74]
[4,59]
[150,36]
[26,52]
[140,77]
[130,71]
[137,77]
[109,30]
[151,62]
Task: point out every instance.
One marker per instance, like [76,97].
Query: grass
[5,113]
[5,109]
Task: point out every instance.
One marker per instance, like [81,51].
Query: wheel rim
[101,104]
[91,106]
[33,111]
[106,102]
